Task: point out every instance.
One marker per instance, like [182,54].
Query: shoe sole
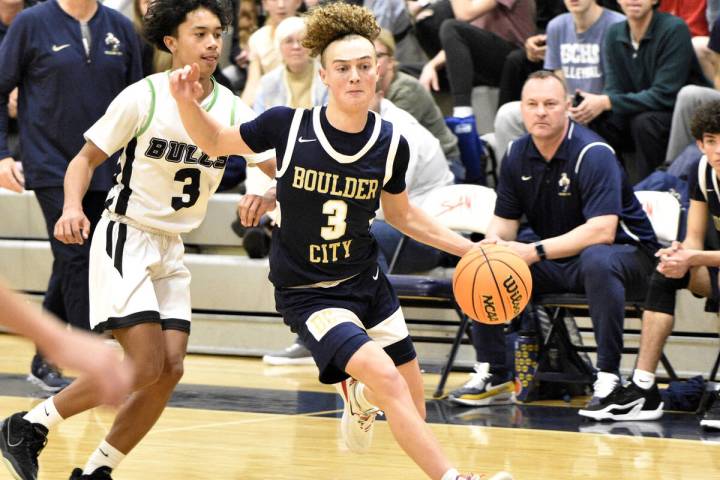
[44,386]
[496,399]
[501,476]
[710,424]
[636,414]
[276,361]
[7,461]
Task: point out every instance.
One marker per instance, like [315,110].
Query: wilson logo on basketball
[489,305]
[511,288]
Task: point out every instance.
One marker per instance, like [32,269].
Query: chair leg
[713,372]
[451,356]
[668,367]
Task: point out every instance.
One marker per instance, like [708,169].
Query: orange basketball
[492,284]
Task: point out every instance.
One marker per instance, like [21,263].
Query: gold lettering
[334,190]
[362,183]
[350,187]
[334,246]
[323,184]
[324,250]
[372,190]
[310,180]
[346,246]
[298,177]
[313,256]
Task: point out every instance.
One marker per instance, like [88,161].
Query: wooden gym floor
[235,418]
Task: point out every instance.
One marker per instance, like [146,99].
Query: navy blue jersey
[703,182]
[328,189]
[583,180]
[63,88]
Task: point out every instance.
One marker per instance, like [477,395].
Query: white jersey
[164,181]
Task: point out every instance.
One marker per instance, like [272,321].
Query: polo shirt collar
[624,36]
[562,152]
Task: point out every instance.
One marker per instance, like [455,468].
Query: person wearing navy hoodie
[69,58]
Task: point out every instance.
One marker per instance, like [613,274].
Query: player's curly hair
[338,20]
[164,16]
[706,120]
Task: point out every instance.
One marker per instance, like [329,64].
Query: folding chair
[463,208]
[663,210]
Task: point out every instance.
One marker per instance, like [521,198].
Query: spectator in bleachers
[691,97]
[683,265]
[263,54]
[68,69]
[408,94]
[153,59]
[295,82]
[427,170]
[475,45]
[575,52]
[595,237]
[649,58]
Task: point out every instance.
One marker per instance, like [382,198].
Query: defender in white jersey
[139,284]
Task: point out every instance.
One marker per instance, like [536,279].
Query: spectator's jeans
[688,100]
[415,256]
[648,138]
[473,57]
[605,274]
[67,292]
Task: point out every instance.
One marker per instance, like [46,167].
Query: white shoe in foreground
[497,476]
[356,425]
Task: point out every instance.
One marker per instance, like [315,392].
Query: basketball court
[236,418]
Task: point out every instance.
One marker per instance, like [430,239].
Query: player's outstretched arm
[73,226]
[78,351]
[415,223]
[210,136]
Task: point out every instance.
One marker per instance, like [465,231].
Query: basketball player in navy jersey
[335,164]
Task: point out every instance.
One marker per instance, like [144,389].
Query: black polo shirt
[583,180]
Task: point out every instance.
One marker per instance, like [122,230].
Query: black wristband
[540,250]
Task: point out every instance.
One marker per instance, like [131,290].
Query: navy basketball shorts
[335,322]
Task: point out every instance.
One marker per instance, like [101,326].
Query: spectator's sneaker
[483,388]
[295,354]
[102,473]
[356,425]
[21,443]
[604,385]
[711,419]
[627,403]
[46,376]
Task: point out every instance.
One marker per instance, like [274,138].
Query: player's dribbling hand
[73,227]
[251,208]
[185,84]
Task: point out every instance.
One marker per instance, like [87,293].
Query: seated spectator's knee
[449,28]
[596,260]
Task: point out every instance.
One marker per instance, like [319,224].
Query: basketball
[492,284]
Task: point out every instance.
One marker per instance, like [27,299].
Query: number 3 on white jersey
[337,211]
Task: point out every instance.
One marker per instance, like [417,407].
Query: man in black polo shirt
[596,239]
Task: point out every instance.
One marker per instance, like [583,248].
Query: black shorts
[335,322]
[662,290]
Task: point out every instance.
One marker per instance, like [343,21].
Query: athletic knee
[387,384]
[149,370]
[173,370]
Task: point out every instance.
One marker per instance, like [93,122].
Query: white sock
[451,474]
[362,401]
[643,379]
[104,456]
[463,111]
[45,414]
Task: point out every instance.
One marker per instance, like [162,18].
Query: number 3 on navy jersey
[191,191]
[337,211]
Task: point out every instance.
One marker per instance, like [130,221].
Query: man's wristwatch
[540,250]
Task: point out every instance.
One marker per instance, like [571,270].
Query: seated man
[596,239]
[682,265]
